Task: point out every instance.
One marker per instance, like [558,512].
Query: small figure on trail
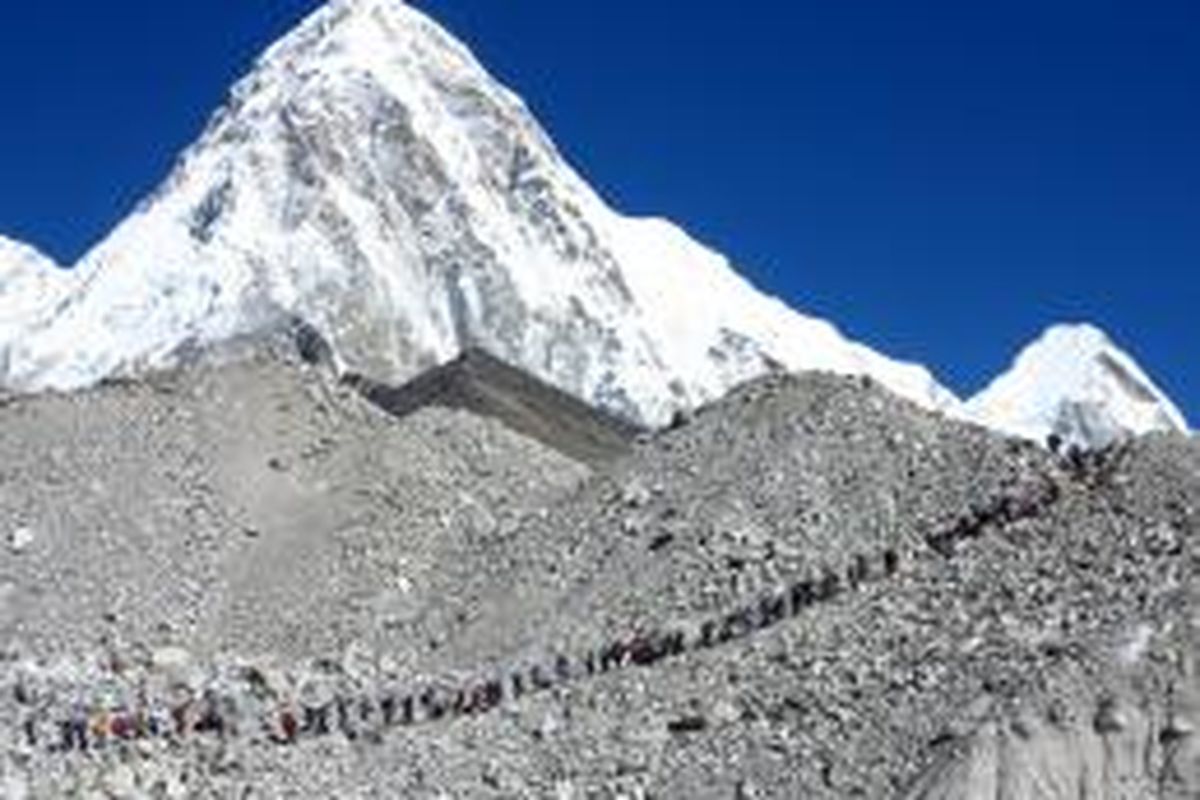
[180,715]
[708,634]
[460,705]
[366,710]
[771,610]
[891,562]
[30,728]
[346,717]
[539,679]
[493,692]
[74,731]
[289,726]
[316,719]
[673,643]
[642,651]
[859,571]
[123,726]
[613,656]
[389,706]
[829,587]
[737,624]
[435,709]
[209,719]
[804,594]
[100,721]
[408,713]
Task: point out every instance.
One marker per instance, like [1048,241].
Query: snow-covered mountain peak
[19,261]
[1075,383]
[29,281]
[369,177]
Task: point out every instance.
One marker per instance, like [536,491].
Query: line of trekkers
[367,716]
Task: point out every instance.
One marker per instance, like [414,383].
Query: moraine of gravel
[252,513]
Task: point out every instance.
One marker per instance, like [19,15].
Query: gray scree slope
[1036,641]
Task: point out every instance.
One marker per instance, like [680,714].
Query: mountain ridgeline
[369,177]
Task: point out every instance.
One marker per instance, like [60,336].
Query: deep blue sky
[941,179]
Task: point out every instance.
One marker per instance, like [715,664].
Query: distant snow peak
[29,283]
[1075,383]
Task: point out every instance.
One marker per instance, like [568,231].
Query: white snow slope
[29,286]
[371,178]
[1075,383]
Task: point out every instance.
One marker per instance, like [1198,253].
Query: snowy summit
[1076,384]
[370,179]
[28,285]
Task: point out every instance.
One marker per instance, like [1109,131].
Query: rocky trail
[809,588]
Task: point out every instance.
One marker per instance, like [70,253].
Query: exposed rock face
[1075,384]
[370,178]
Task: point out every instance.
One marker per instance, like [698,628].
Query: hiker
[642,652]
[99,724]
[316,720]
[891,562]
[736,625]
[538,679]
[74,731]
[345,717]
[145,725]
[771,610]
[829,587]
[803,595]
[613,657]
[209,719]
[366,710]
[122,725]
[674,643]
[461,703]
[943,542]
[30,727]
[493,692]
[859,571]
[562,668]
[434,709]
[289,726]
[181,716]
[389,707]
[408,712]
[708,632]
